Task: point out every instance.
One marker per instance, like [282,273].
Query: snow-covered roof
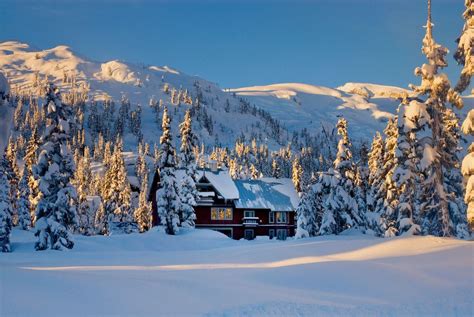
[257,194]
[222,182]
[284,186]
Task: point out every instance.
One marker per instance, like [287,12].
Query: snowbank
[154,274]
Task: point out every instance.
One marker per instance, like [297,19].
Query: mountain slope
[229,114]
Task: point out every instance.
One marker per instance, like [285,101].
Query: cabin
[240,208]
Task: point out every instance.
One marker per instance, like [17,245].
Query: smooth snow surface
[203,273]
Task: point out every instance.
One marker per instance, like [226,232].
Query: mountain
[367,107]
[268,113]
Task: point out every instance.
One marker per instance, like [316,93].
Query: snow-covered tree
[167,195]
[23,203]
[83,182]
[5,212]
[55,212]
[116,193]
[464,54]
[296,174]
[310,210]
[438,207]
[142,214]
[341,208]
[188,194]
[468,169]
[375,178]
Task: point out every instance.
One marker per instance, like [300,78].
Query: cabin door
[249,234]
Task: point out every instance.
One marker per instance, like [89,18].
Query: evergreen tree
[142,214]
[23,204]
[5,212]
[375,173]
[167,195]
[436,204]
[116,193]
[464,54]
[188,194]
[342,210]
[13,176]
[297,173]
[55,212]
[468,169]
[82,182]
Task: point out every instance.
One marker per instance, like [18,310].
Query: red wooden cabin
[241,208]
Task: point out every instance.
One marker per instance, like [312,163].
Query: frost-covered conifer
[464,54]
[5,212]
[375,178]
[116,193]
[142,214]
[83,182]
[341,208]
[188,193]
[297,173]
[167,195]
[439,212]
[23,204]
[468,169]
[55,212]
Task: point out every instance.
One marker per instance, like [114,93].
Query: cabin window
[221,213]
[249,213]
[249,234]
[271,218]
[278,217]
[281,234]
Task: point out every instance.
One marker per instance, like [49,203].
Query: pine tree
[167,195]
[468,169]
[375,179]
[23,204]
[82,182]
[342,210]
[188,194]
[55,211]
[436,209]
[13,176]
[142,214]
[5,212]
[297,173]
[464,54]
[116,193]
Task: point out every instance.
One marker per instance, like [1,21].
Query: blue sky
[242,43]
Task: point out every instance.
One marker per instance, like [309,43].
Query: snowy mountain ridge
[296,106]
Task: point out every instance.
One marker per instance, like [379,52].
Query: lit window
[280,217]
[221,213]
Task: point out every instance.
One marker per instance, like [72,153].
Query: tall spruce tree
[464,54]
[23,204]
[188,193]
[142,214]
[438,208]
[468,169]
[5,210]
[55,212]
[341,208]
[167,195]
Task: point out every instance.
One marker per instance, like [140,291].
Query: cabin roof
[222,182]
[258,194]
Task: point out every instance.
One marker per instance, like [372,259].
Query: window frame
[252,213]
[216,213]
[271,217]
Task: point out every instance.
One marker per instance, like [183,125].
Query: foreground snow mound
[325,276]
